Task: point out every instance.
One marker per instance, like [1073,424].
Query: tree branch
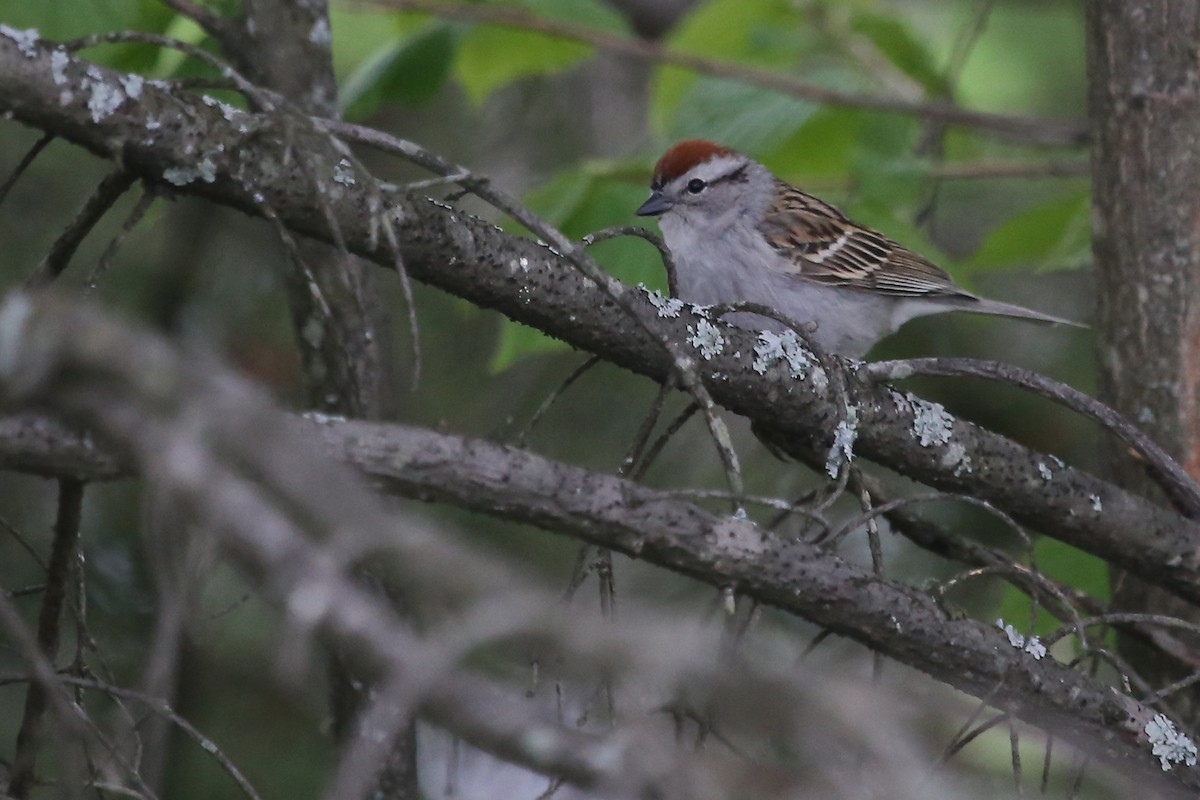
[239,470]
[62,553]
[530,283]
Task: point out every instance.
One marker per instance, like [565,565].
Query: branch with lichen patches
[230,157]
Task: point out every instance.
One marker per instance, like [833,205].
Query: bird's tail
[983,306]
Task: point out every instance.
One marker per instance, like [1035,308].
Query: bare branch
[114,185]
[23,164]
[62,553]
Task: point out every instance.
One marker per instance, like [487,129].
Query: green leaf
[897,43]
[172,62]
[410,70]
[361,33]
[557,200]
[65,20]
[1052,235]
[745,117]
[494,56]
[592,13]
[1049,38]
[762,32]
[823,147]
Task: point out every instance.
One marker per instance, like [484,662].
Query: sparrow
[738,234]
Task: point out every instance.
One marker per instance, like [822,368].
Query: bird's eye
[696,186]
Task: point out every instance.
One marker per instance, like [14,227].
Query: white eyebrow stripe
[830,251]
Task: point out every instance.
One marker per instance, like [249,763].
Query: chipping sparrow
[739,234]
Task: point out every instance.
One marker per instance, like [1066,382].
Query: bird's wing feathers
[823,246]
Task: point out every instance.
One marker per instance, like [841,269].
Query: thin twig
[1014,743]
[163,708]
[664,252]
[212,24]
[1029,130]
[115,184]
[1051,168]
[548,403]
[24,163]
[965,735]
[967,38]
[652,453]
[636,449]
[131,221]
[62,554]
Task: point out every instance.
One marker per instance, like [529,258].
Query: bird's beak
[655,204]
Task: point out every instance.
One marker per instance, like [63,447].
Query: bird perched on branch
[739,234]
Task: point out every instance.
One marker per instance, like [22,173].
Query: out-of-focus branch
[287,47]
[62,553]
[1012,128]
[530,283]
[239,471]
[295,522]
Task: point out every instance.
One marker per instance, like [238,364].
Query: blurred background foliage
[575,131]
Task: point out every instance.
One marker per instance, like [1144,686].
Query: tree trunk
[1144,73]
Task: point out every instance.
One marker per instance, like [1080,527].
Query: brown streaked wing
[826,247]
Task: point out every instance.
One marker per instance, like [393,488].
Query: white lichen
[842,449]
[1097,506]
[14,317]
[1035,648]
[320,33]
[1044,471]
[322,418]
[133,85]
[343,173]
[104,100]
[26,40]
[956,456]
[58,67]
[668,307]
[931,424]
[180,176]
[1171,746]
[205,170]
[1033,645]
[706,337]
[772,348]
